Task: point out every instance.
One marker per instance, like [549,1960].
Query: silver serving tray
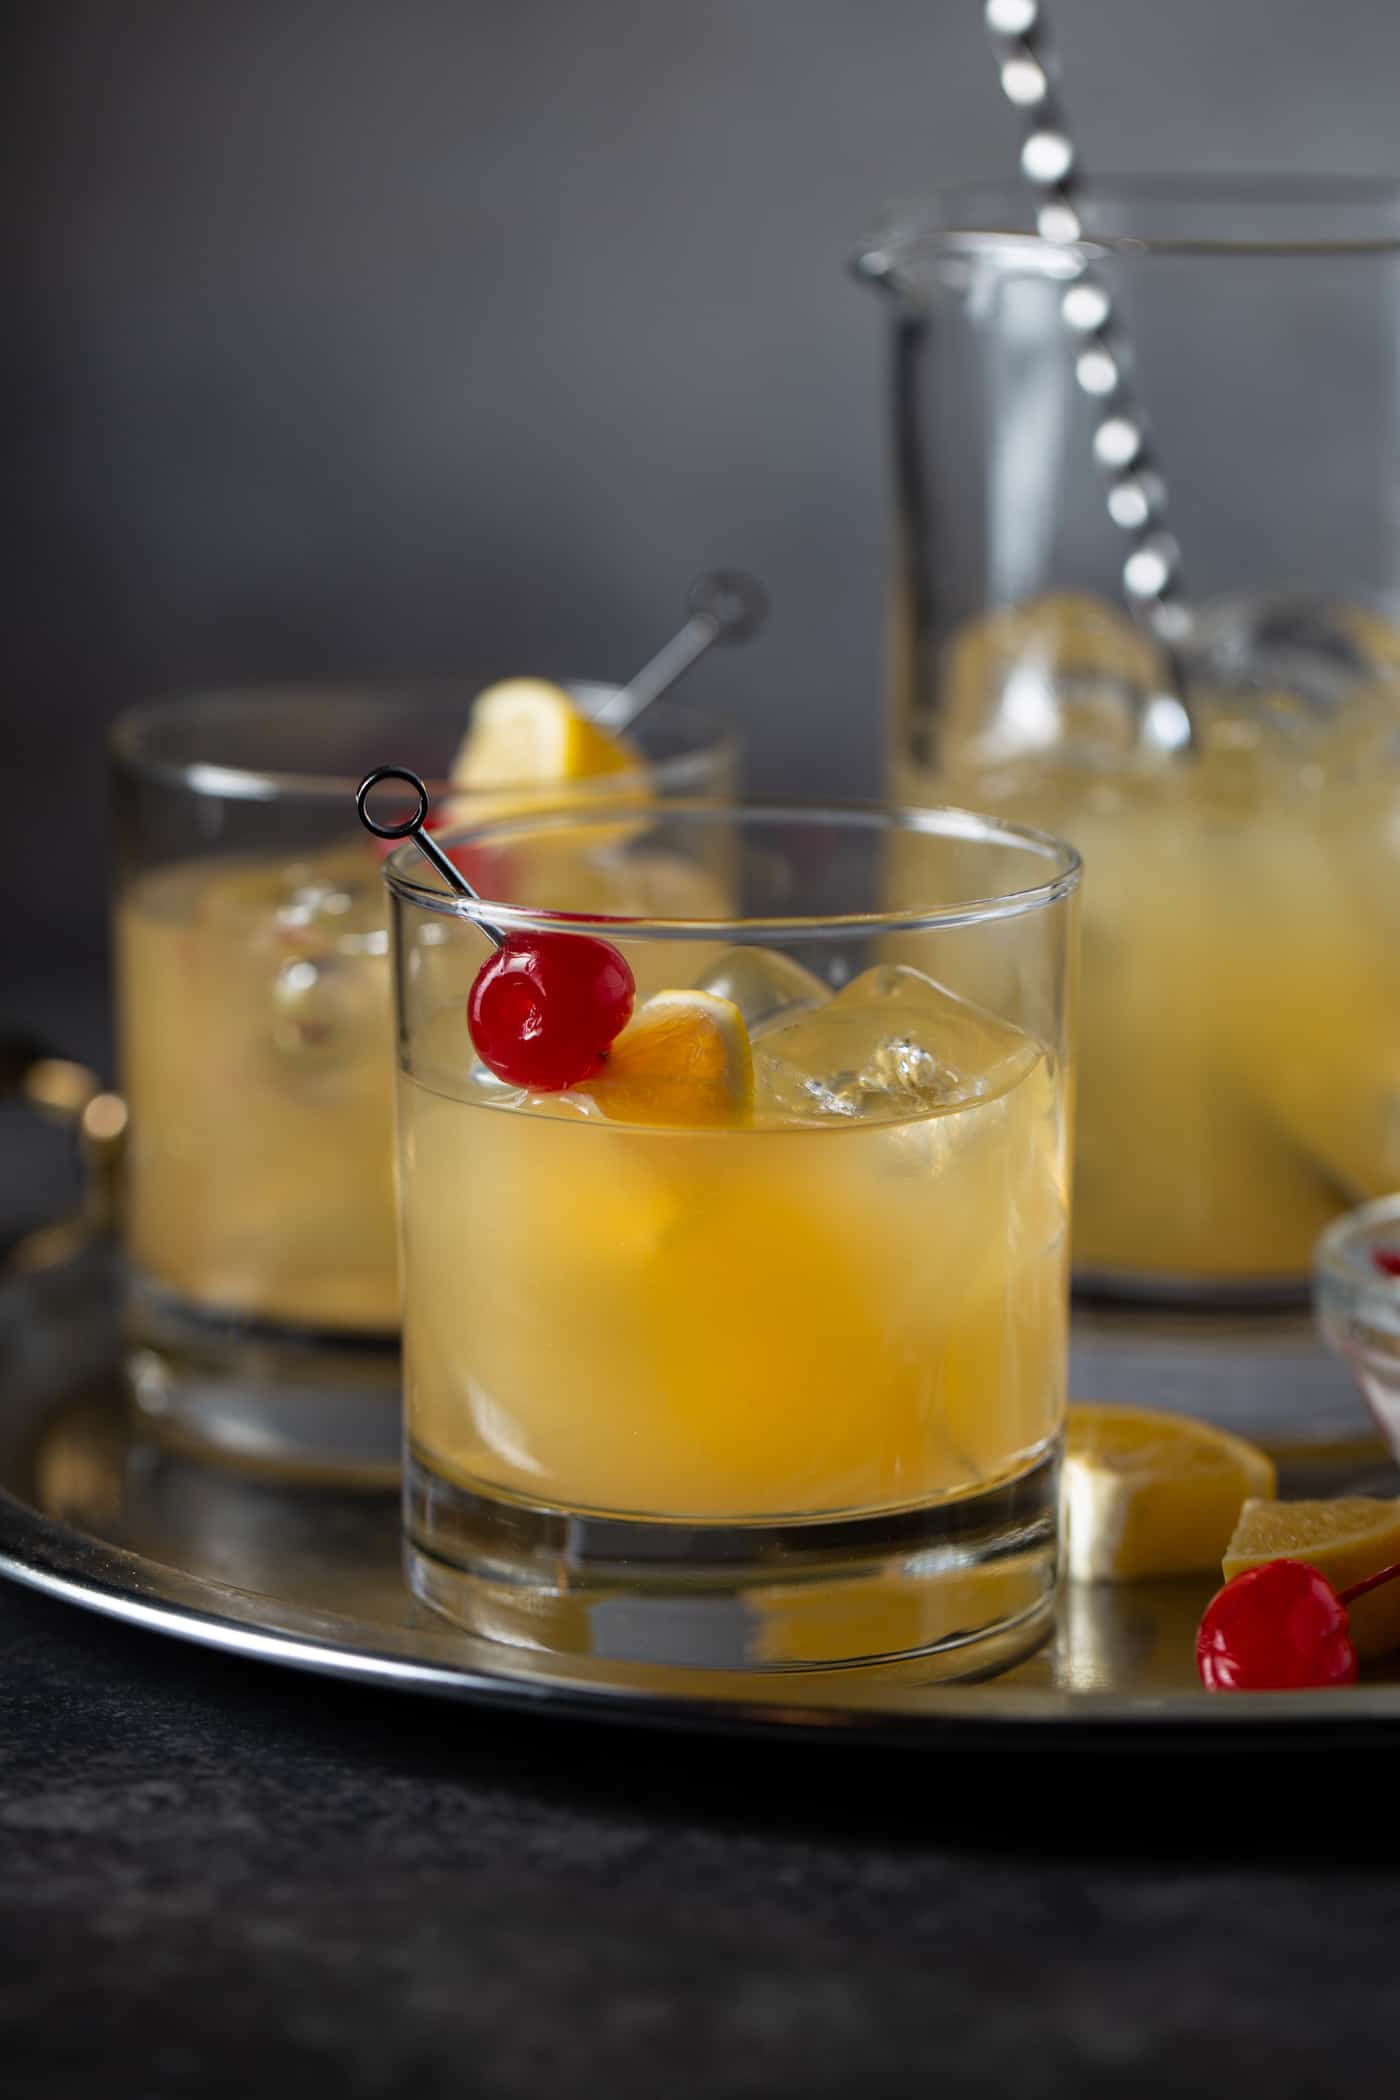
[285,1572]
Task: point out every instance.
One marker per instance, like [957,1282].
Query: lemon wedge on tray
[683,1060]
[1345,1539]
[1148,1493]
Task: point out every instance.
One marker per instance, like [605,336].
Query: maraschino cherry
[546,1008]
[1280,1627]
[1387,1260]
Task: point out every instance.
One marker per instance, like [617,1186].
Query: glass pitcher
[1239,1080]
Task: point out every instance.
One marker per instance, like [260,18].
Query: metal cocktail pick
[1137,494]
[415,827]
[724,606]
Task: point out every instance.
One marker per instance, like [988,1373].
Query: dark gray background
[375,336]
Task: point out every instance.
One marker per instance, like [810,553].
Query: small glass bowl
[1357,1302]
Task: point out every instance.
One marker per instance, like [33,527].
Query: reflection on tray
[335,1549]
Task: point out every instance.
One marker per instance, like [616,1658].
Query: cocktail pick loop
[1103,368]
[415,827]
[725,605]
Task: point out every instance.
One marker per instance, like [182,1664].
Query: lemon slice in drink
[683,1060]
[1346,1540]
[526,733]
[1147,1493]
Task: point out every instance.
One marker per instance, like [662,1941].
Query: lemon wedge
[1147,1493]
[683,1060]
[1346,1540]
[527,733]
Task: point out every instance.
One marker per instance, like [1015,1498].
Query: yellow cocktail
[1239,1073]
[256,1049]
[256,1031]
[782,1283]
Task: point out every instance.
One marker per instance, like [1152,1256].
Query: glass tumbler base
[965,1587]
[283,1400]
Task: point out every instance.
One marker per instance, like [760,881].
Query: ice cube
[893,1044]
[1061,672]
[1295,671]
[335,902]
[305,937]
[328,1009]
[765,985]
[334,899]
[1300,645]
[339,913]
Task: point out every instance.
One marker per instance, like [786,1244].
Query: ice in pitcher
[1239,1066]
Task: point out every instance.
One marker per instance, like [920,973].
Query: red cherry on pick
[1275,1628]
[1387,1260]
[546,1007]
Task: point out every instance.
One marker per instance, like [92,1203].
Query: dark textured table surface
[217,1875]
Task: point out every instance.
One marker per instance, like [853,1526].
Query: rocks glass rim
[408,877]
[690,739]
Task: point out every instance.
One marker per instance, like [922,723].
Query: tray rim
[80,1567]
[49,1556]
